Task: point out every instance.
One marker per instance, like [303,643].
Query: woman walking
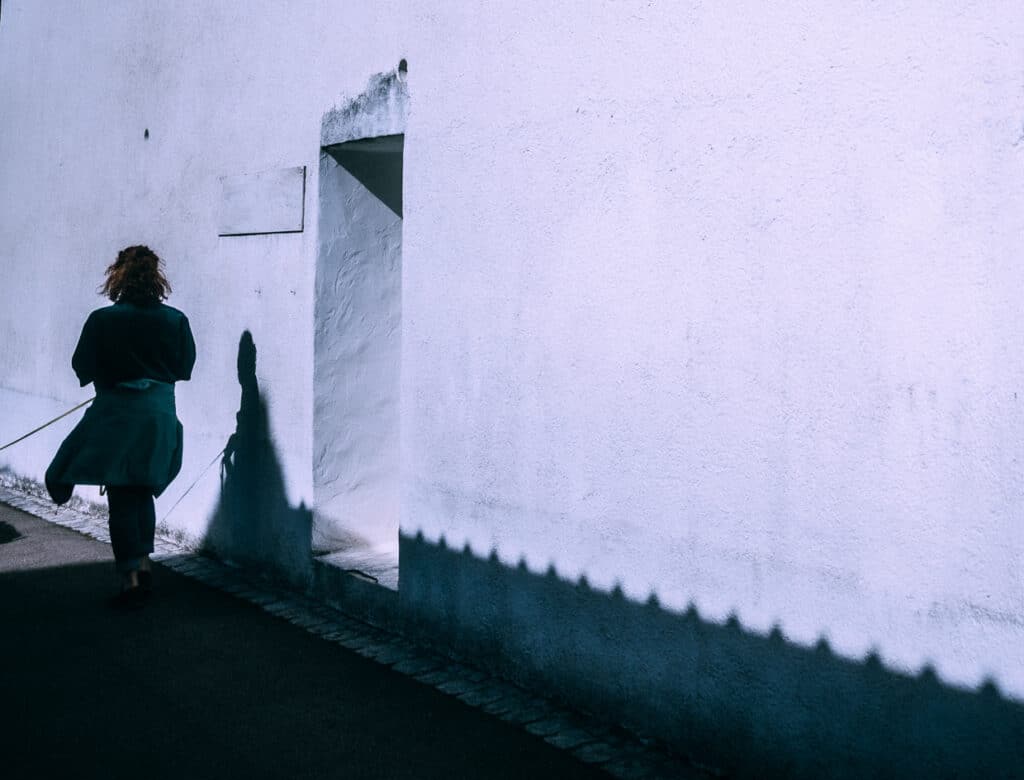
[129,440]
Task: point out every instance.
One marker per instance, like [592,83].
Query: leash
[189,488]
[47,424]
[86,403]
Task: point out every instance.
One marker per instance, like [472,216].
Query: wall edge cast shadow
[754,705]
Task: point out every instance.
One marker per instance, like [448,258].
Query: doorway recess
[357,341]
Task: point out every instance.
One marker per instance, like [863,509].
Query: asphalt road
[203,685]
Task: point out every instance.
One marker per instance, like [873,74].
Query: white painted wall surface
[713,303]
[718,303]
[223,90]
[358,320]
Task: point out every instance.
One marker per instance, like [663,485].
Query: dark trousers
[132,524]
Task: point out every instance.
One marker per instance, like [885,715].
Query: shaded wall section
[253,522]
[757,705]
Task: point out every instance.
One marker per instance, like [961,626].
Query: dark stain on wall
[8,533]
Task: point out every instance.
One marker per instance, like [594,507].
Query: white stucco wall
[739,290]
[709,303]
[223,90]
[358,321]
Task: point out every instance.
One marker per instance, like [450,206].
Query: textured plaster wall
[718,304]
[715,304]
[226,89]
[357,353]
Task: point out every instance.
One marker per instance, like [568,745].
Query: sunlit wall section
[149,123]
[709,375]
[718,306]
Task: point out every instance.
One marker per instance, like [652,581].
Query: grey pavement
[222,676]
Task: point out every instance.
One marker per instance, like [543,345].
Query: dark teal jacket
[130,435]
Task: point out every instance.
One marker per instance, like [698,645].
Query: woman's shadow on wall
[253,523]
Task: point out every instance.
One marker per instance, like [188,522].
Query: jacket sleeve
[186,349]
[84,361]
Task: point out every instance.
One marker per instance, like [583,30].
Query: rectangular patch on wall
[265,202]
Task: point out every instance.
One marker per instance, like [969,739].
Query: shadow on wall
[751,705]
[253,523]
[376,163]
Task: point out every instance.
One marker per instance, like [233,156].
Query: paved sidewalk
[202,684]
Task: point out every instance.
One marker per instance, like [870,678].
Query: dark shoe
[129,598]
[145,581]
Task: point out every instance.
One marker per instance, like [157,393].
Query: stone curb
[613,750]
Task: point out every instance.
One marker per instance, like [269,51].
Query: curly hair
[136,277]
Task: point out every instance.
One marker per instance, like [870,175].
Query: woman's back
[128,341]
[130,439]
